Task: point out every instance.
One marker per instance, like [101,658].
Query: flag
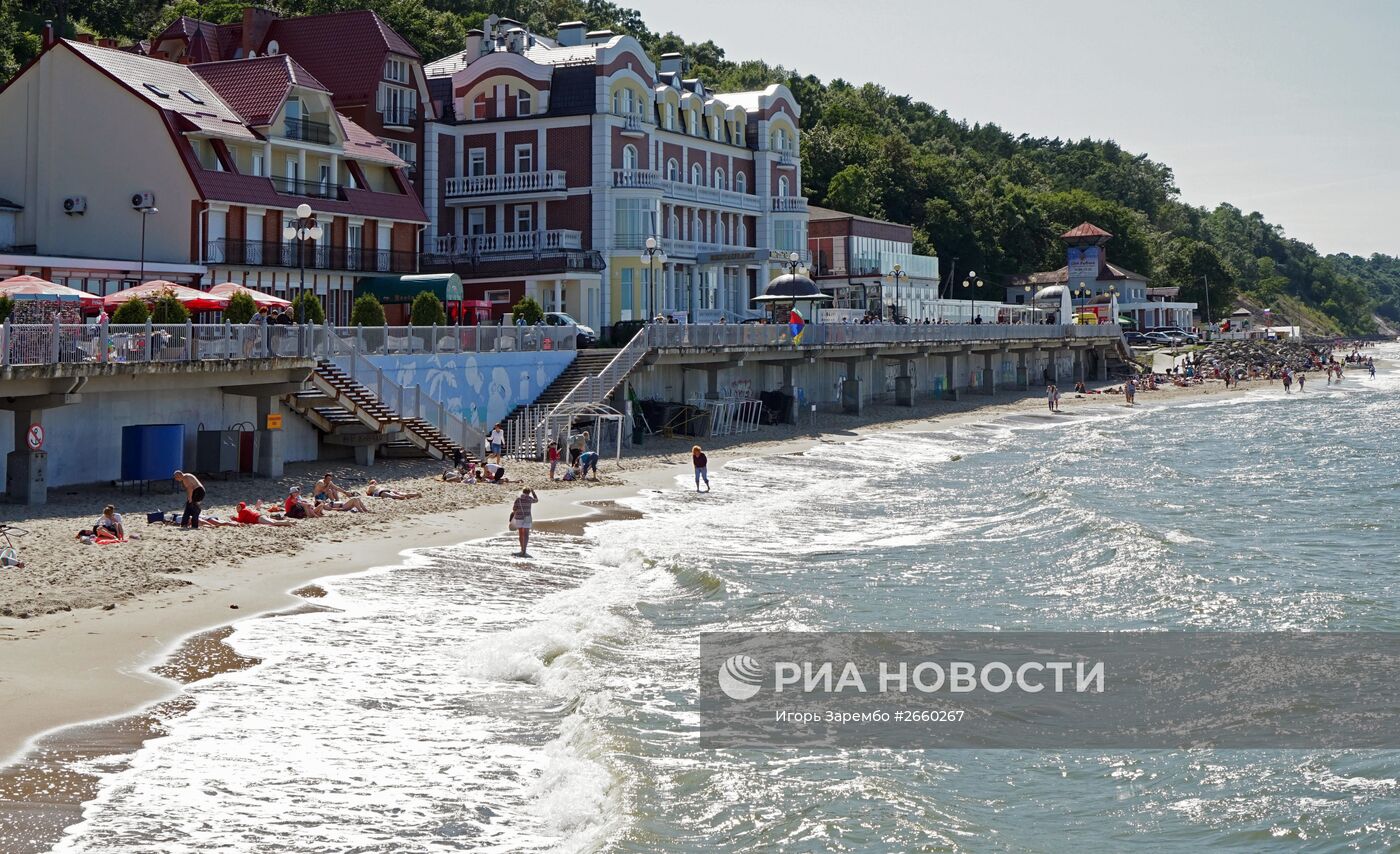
[796,326]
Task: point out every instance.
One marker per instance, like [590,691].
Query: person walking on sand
[1050,396]
[1287,382]
[1055,398]
[520,521]
[1302,381]
[194,494]
[702,467]
[498,442]
[1130,390]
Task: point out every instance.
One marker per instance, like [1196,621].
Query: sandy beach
[104,618]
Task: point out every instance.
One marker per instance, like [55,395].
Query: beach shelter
[149,292]
[262,300]
[1056,295]
[33,287]
[786,293]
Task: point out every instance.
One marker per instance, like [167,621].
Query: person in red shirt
[253,516]
[702,467]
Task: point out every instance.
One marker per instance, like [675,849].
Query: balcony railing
[789,204]
[267,253]
[632,124]
[510,183]
[646,179]
[636,179]
[312,189]
[513,242]
[400,117]
[307,130]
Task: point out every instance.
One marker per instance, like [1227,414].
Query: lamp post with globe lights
[896,274]
[973,283]
[302,229]
[651,256]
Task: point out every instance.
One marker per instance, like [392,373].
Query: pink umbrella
[193,300]
[33,287]
[228,289]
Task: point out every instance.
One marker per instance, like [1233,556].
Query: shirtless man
[194,494]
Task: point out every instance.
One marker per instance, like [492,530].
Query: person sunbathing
[326,490]
[352,504]
[374,490]
[254,516]
[297,507]
[111,522]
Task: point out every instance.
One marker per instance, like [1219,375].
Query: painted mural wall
[480,387]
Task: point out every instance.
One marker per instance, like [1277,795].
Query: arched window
[719,179]
[629,157]
[741,233]
[697,175]
[719,231]
[670,116]
[628,104]
[782,185]
[674,226]
[741,183]
[673,170]
[697,230]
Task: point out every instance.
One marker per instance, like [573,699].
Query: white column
[558,295]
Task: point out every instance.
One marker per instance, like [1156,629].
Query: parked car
[587,337]
[1163,339]
[1136,339]
[1185,335]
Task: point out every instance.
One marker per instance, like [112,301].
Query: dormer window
[396,70]
[156,90]
[670,116]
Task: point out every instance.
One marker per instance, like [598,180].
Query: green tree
[167,308]
[241,308]
[131,312]
[7,307]
[427,310]
[307,308]
[367,311]
[529,309]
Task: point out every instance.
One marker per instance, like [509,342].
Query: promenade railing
[675,335]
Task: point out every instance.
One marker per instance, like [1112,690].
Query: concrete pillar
[1054,366]
[1080,373]
[1101,358]
[904,385]
[851,400]
[26,471]
[364,455]
[1023,369]
[712,384]
[950,376]
[789,417]
[270,442]
[990,362]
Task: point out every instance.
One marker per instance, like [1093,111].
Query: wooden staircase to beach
[348,413]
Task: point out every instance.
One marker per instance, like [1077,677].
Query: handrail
[592,389]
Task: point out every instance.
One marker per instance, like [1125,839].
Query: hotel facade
[552,161]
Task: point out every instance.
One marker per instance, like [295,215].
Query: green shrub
[168,309]
[7,306]
[241,308]
[530,310]
[367,311]
[427,310]
[132,311]
[307,308]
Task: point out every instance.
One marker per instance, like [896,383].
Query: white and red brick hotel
[553,160]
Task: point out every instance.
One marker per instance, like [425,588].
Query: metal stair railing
[408,403]
[592,390]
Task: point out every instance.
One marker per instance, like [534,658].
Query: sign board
[274,421]
[1083,264]
[35,437]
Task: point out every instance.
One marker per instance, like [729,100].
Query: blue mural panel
[480,387]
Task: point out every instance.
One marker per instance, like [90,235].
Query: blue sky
[1285,107]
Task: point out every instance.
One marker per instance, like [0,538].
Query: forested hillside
[992,199]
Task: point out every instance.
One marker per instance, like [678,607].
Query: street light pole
[650,255]
[304,228]
[898,271]
[1206,279]
[973,283]
[145,212]
[1081,293]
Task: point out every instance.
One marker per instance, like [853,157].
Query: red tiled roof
[252,190]
[345,49]
[1111,272]
[1083,230]
[256,87]
[363,145]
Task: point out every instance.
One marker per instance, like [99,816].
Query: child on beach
[552,455]
[520,518]
[702,467]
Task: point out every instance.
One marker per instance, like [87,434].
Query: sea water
[470,701]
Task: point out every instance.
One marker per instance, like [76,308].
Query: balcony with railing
[306,130]
[550,181]
[288,186]
[789,204]
[269,253]
[554,250]
[399,117]
[636,179]
[633,125]
[647,179]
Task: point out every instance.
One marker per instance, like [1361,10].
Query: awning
[392,290]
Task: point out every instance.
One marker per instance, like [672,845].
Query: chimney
[161,54]
[255,24]
[598,36]
[571,33]
[515,40]
[48,33]
[473,46]
[488,28]
[85,38]
[672,63]
[112,43]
